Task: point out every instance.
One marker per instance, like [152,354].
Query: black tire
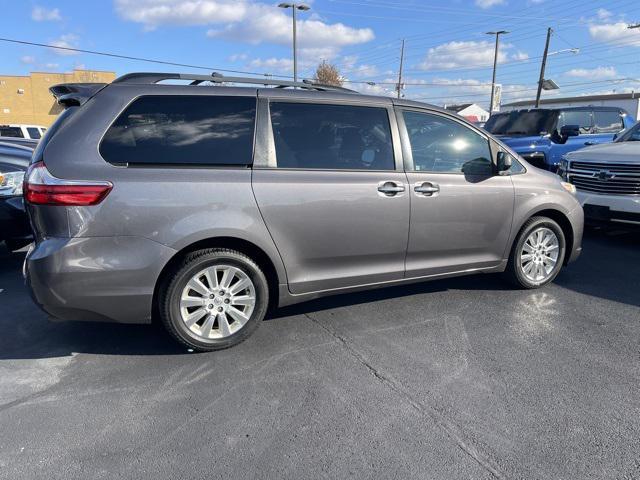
[171,291]
[514,271]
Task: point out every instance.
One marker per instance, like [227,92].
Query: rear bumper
[623,210]
[108,279]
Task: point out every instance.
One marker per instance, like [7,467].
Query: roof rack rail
[151,77]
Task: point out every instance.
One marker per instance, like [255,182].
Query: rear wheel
[537,254]
[215,299]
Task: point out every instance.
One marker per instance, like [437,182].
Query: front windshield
[631,135]
[522,122]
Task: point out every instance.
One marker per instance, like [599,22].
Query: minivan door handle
[426,189]
[390,188]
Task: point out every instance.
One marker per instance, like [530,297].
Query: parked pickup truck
[542,135]
[607,179]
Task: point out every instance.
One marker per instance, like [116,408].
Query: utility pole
[399,86]
[295,7]
[495,65]
[543,66]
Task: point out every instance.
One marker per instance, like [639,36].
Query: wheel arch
[561,219]
[247,247]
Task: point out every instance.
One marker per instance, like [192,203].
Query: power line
[138,59]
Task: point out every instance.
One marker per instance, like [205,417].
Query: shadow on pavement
[608,269]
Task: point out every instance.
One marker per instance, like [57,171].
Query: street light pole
[294,7]
[399,89]
[543,66]
[495,65]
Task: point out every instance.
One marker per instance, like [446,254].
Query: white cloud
[462,54]
[359,70]
[593,73]
[68,40]
[489,3]
[267,24]
[603,14]
[275,65]
[614,33]
[520,55]
[28,60]
[238,57]
[42,14]
[52,66]
[243,20]
[154,13]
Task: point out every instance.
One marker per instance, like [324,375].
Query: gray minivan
[202,204]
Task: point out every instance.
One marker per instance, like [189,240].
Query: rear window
[183,130]
[522,122]
[607,121]
[15,132]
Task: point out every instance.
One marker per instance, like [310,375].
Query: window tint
[33,133]
[331,136]
[192,130]
[582,118]
[632,135]
[15,132]
[607,121]
[521,122]
[441,145]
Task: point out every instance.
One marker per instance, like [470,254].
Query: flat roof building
[25,99]
[627,101]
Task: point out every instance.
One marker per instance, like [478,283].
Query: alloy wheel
[217,301]
[539,254]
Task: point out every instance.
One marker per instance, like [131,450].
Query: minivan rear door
[329,183]
[461,210]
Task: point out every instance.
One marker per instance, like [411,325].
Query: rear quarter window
[15,132]
[183,130]
[607,121]
[33,133]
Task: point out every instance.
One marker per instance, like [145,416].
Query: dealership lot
[461,378]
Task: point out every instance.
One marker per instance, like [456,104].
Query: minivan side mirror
[570,131]
[504,161]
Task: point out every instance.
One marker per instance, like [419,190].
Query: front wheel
[215,299]
[537,254]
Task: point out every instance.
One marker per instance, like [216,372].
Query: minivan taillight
[42,188]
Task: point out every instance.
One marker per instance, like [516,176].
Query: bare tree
[328,74]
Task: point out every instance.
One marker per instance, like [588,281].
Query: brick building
[26,98]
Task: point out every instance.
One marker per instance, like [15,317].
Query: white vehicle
[607,179]
[33,132]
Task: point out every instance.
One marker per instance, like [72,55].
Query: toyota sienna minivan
[202,204]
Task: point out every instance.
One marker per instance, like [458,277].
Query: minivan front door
[333,198]
[461,212]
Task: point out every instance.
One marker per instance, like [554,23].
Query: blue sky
[448,55]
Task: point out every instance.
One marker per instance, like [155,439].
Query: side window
[582,118]
[33,133]
[333,137]
[607,121]
[442,145]
[183,130]
[15,132]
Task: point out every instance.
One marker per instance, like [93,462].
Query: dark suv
[205,203]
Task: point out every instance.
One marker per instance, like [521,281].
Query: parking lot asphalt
[461,378]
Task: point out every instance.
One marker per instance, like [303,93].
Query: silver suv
[202,204]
